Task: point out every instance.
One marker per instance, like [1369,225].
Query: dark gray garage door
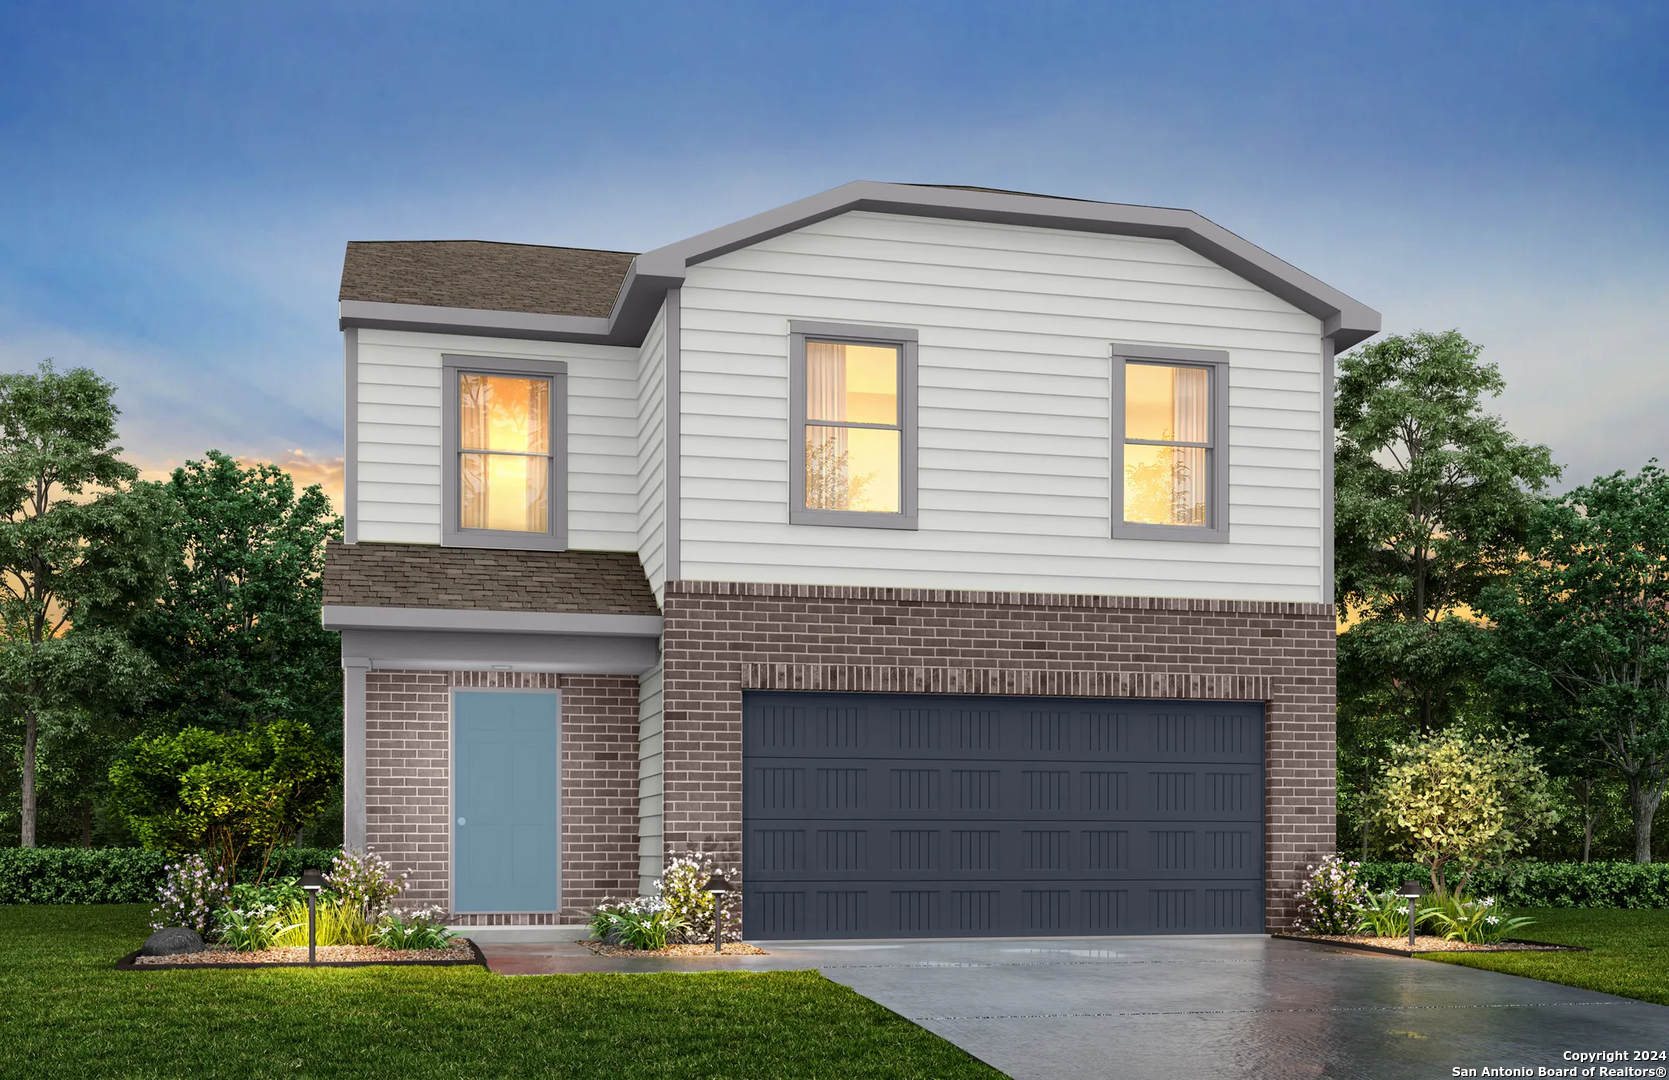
[873,815]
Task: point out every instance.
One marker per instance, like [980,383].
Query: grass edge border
[477,959]
[1546,946]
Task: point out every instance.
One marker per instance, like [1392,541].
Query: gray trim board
[672,479]
[455,650]
[1345,321]
[1328,442]
[345,617]
[354,667]
[483,322]
[451,535]
[350,436]
[1217,532]
[908,424]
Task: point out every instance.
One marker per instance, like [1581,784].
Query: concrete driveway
[1195,1007]
[1225,1007]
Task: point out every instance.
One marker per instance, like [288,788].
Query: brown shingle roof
[478,274]
[482,579]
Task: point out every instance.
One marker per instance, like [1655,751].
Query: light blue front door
[505,798]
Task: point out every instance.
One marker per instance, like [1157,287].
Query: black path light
[718,887]
[311,882]
[1412,890]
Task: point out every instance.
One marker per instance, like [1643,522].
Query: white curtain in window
[1190,420]
[827,461]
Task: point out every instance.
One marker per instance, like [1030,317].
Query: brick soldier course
[723,638]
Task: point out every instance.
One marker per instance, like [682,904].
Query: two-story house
[951,561]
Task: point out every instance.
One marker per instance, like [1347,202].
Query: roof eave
[1345,320]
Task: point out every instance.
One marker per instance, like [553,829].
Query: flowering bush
[1476,922]
[682,888]
[420,928]
[644,922]
[679,909]
[365,881]
[191,892]
[1331,900]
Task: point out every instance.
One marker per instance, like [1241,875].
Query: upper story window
[1170,419]
[852,392]
[504,477]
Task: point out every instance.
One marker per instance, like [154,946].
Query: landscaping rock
[172,941]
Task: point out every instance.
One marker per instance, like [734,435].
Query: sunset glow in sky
[177,182]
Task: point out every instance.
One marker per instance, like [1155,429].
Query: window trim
[905,340]
[1217,511]
[555,538]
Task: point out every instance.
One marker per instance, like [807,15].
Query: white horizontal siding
[651,454]
[398,493]
[1015,468]
[650,830]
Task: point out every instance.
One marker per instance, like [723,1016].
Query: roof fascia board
[350,617]
[1345,321]
[480,322]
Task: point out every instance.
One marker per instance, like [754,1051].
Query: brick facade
[408,781]
[722,638]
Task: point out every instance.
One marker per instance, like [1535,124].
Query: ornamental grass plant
[339,922]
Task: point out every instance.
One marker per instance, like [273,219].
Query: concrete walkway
[1226,1007]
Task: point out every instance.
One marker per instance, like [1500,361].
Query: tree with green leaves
[82,550]
[1453,799]
[1584,618]
[237,637]
[1433,496]
[224,792]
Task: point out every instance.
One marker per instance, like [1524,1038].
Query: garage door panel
[1002,908]
[878,815]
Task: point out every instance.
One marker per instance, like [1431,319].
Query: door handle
[460,821]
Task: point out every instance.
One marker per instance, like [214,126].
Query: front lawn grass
[1630,955]
[68,1013]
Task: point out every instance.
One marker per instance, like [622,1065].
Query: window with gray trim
[852,425]
[1170,443]
[504,448]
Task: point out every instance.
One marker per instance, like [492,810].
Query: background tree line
[131,608]
[1475,605]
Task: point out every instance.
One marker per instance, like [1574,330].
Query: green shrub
[413,930]
[270,895]
[1539,884]
[644,922]
[230,793]
[1385,914]
[115,875]
[80,876]
[248,931]
[1476,922]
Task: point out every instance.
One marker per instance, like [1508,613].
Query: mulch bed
[462,952]
[687,952]
[1426,943]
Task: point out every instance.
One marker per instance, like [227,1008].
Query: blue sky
[177,180]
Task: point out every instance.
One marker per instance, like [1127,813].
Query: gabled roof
[640,293]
